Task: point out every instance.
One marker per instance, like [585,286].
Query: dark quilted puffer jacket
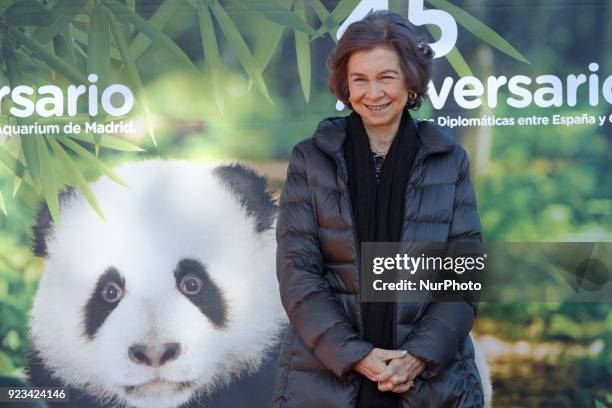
[318,273]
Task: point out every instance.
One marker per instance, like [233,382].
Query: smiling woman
[377,89]
[375,175]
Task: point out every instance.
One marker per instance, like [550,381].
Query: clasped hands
[396,376]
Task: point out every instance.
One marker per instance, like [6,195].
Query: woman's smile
[377,88]
[378,108]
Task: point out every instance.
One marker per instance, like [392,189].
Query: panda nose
[154,356]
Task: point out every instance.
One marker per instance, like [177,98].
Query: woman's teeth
[377,107]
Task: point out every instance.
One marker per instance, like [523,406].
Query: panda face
[173,294]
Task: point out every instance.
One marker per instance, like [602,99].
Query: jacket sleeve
[442,329]
[311,306]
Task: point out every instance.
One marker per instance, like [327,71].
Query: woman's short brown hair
[386,29]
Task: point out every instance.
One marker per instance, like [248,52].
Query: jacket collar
[331,132]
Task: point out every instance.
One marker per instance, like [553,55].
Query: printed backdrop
[524,86]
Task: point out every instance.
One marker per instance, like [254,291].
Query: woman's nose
[374,90]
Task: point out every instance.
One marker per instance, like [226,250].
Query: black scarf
[378,210]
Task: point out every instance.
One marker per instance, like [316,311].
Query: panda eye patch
[191,285]
[109,291]
[194,282]
[112,292]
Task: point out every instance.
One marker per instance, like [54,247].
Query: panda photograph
[235,203]
[168,313]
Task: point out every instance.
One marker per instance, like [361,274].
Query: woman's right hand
[375,362]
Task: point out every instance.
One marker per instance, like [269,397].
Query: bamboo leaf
[30,154]
[11,163]
[320,10]
[27,13]
[212,59]
[17,181]
[64,12]
[91,159]
[302,51]
[239,46]
[64,47]
[98,51]
[12,68]
[2,204]
[14,165]
[267,45]
[4,4]
[64,50]
[342,10]
[277,13]
[48,57]
[76,175]
[151,31]
[109,142]
[98,46]
[27,144]
[479,29]
[159,19]
[81,37]
[133,75]
[459,63]
[47,180]
[16,185]
[267,41]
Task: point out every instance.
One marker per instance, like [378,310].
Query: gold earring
[412,95]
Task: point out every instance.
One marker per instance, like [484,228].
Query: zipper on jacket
[347,197]
[418,162]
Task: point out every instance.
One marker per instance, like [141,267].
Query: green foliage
[599,404]
[19,273]
[108,37]
[478,28]
[27,13]
[546,186]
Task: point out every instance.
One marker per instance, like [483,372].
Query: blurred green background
[254,83]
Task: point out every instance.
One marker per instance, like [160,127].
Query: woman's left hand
[398,375]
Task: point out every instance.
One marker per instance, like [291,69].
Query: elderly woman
[375,175]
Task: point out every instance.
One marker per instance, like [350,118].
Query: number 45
[418,16]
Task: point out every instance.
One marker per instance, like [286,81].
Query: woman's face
[377,87]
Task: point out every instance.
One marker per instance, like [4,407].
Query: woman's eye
[111,292]
[191,285]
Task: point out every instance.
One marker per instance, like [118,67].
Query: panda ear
[44,223]
[251,190]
